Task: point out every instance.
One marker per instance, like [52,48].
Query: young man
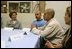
[39,22]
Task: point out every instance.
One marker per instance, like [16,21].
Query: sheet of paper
[26,29]
[16,37]
[6,28]
[3,45]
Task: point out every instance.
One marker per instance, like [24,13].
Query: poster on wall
[3,6]
[25,7]
[21,7]
[13,7]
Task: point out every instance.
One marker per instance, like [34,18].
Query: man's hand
[33,26]
[48,44]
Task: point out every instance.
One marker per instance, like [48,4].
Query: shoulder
[18,22]
[44,21]
[54,21]
[9,21]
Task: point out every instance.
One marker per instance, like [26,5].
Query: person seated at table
[52,33]
[67,38]
[14,23]
[39,22]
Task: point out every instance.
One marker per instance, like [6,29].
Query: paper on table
[3,45]
[8,28]
[26,29]
[16,37]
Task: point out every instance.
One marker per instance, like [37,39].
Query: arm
[33,25]
[7,24]
[46,31]
[48,44]
[20,26]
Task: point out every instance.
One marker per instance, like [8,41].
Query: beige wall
[59,7]
[27,18]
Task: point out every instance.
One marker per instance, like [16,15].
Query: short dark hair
[10,14]
[68,10]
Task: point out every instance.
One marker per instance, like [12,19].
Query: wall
[59,7]
[27,18]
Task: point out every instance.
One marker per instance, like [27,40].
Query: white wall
[59,7]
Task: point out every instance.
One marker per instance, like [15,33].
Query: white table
[28,41]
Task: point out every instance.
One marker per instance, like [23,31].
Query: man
[52,32]
[14,23]
[39,22]
[67,39]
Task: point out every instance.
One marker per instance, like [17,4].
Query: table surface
[28,41]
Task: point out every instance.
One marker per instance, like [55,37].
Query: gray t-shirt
[15,24]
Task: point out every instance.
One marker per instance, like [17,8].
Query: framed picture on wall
[13,7]
[25,7]
[3,6]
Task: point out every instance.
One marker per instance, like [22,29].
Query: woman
[67,39]
[14,22]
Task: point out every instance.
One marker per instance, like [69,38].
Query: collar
[39,20]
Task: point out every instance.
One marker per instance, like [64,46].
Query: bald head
[50,11]
[48,14]
[38,15]
[38,12]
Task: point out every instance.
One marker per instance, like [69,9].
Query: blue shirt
[39,23]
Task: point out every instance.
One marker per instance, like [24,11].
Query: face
[38,16]
[14,16]
[46,16]
[67,19]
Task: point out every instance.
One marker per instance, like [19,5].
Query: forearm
[48,44]
[36,31]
